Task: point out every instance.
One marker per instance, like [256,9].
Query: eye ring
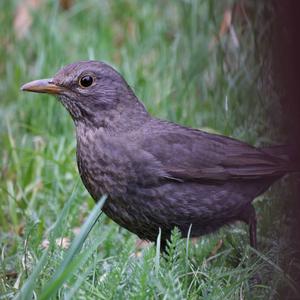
[86,81]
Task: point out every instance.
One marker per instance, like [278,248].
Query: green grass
[168,52]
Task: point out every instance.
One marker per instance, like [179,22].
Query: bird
[158,175]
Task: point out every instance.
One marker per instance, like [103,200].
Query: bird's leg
[252,229]
[249,216]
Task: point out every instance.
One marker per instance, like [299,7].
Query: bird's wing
[194,155]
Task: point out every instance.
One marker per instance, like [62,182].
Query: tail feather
[285,153]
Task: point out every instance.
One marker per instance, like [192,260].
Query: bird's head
[92,92]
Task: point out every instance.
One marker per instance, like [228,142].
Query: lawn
[198,63]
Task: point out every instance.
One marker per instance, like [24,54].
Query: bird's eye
[86,81]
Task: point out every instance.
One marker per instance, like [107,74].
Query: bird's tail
[285,153]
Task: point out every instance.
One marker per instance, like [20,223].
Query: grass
[170,53]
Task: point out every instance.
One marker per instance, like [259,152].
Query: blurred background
[205,64]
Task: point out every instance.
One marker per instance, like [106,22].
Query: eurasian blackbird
[157,174]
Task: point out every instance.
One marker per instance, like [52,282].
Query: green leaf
[67,267]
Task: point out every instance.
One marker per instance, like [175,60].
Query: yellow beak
[42,86]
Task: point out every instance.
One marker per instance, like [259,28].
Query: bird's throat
[114,121]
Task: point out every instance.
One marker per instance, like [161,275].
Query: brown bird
[157,174]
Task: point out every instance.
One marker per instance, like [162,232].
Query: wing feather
[193,155]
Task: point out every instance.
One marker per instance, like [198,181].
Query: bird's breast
[101,168]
